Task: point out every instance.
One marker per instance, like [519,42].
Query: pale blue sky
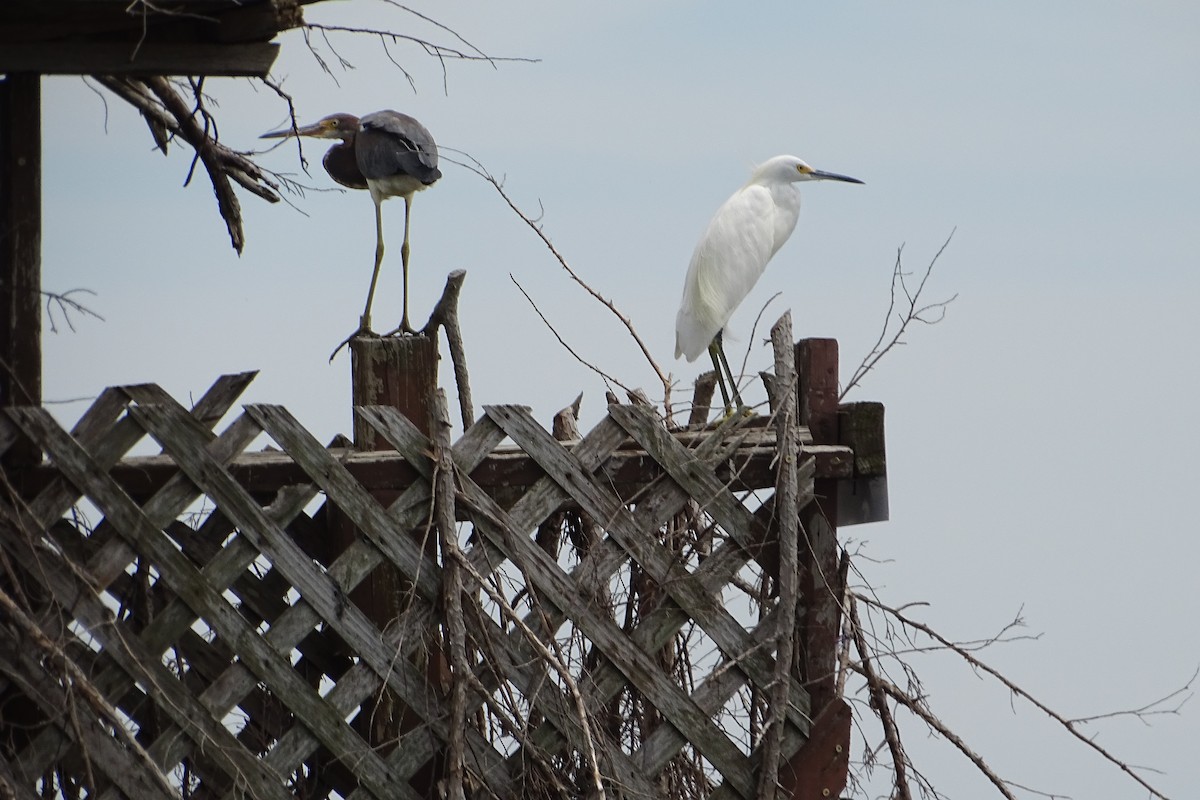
[1041,440]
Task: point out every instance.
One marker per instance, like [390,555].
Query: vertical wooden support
[20,251]
[817,374]
[396,371]
[400,372]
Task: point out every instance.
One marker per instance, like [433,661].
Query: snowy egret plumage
[730,257]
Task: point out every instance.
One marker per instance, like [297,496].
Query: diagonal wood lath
[215,625]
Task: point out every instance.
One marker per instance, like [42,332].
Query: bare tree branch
[1070,725]
[478,168]
[912,312]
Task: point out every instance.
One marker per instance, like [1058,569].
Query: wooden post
[20,252]
[400,372]
[396,371]
[817,375]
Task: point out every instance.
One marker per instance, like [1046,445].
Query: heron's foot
[364,329]
[403,329]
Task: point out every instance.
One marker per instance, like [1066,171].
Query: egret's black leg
[713,351]
[737,396]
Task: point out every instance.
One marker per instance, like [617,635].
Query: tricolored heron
[387,152]
[733,252]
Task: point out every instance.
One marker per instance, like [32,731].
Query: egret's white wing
[728,260]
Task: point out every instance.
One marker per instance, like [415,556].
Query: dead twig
[533,225]
[912,311]
[445,316]
[66,304]
[1070,725]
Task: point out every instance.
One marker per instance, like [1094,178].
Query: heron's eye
[333,123]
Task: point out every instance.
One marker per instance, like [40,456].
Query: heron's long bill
[305,130]
[832,176]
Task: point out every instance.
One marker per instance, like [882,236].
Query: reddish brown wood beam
[817,373]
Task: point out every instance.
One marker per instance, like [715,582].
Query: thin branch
[607,378]
[889,339]
[875,686]
[65,303]
[533,225]
[1070,725]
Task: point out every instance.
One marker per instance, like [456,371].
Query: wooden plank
[554,587]
[505,473]
[704,607]
[653,509]
[146,668]
[298,743]
[787,575]
[246,60]
[817,368]
[274,670]
[317,588]
[126,771]
[20,251]
[863,498]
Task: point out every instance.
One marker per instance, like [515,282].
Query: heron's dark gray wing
[390,143]
[342,165]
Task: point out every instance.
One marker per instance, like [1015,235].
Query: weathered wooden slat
[247,60]
[146,668]
[317,588]
[367,515]
[520,663]
[507,470]
[272,669]
[106,755]
[553,585]
[659,563]
[786,577]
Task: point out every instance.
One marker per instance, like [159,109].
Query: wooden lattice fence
[182,624]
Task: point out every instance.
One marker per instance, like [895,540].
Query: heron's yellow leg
[364,324]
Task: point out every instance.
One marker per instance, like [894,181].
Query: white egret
[733,252]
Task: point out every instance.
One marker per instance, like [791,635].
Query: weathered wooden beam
[399,372]
[20,251]
[252,60]
[863,498]
[505,471]
[817,373]
[395,371]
